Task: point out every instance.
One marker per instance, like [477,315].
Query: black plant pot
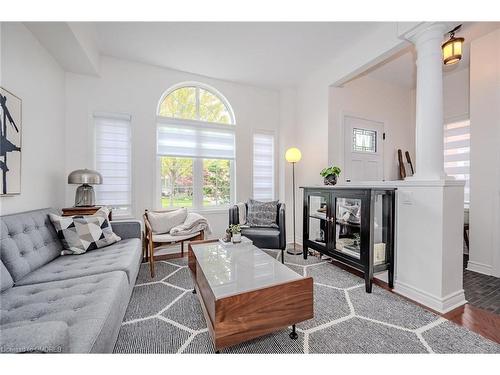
[330,180]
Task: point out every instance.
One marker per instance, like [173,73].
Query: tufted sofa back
[28,241]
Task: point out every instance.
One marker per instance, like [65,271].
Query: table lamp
[85,195]
[293,155]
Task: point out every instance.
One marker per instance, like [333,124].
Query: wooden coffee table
[245,293]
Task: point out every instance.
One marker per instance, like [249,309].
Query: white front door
[363,149]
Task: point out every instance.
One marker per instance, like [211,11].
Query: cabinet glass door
[348,226]
[317,218]
[380,229]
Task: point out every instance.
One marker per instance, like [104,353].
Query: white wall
[375,100]
[484,214]
[135,89]
[456,94]
[312,129]
[31,73]
[287,139]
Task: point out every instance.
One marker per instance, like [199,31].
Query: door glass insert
[364,140]
[317,219]
[348,228]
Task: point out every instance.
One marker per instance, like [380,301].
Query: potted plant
[236,233]
[330,175]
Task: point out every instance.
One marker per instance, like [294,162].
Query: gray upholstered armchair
[263,237]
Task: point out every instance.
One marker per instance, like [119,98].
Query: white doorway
[363,149]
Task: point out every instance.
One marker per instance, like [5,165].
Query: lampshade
[85,176]
[293,155]
[452,50]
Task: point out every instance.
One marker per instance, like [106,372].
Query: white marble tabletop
[241,268]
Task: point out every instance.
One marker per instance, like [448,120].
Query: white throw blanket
[194,223]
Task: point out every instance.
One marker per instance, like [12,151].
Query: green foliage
[181,103]
[235,228]
[217,181]
[177,182]
[212,109]
[178,172]
[330,171]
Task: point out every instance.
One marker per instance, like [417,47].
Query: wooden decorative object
[408,160]
[151,245]
[402,170]
[238,318]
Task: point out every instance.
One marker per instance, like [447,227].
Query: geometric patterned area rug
[163,316]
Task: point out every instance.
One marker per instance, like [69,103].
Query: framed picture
[10,143]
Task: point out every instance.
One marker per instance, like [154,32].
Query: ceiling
[400,69]
[272,54]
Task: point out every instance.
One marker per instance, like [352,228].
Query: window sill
[219,210]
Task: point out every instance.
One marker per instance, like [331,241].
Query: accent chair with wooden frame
[154,241]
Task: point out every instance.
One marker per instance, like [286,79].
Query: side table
[87,210]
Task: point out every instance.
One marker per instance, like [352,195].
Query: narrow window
[457,153]
[263,166]
[113,161]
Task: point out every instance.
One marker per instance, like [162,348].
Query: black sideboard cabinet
[354,225]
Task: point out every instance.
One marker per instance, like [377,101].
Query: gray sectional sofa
[70,303]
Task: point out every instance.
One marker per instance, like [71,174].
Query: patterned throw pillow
[262,214]
[79,234]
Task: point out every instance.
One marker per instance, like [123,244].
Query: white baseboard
[479,267]
[439,304]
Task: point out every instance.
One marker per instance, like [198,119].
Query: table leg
[293,335]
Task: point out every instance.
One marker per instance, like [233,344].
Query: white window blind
[196,141]
[457,152]
[113,161]
[263,166]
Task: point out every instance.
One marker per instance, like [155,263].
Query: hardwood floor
[485,323]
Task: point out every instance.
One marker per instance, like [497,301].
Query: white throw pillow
[162,222]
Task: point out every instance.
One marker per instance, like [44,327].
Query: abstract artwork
[10,143]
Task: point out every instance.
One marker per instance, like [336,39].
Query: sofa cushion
[127,228]
[79,234]
[6,281]
[92,307]
[46,337]
[28,241]
[263,237]
[124,256]
[262,214]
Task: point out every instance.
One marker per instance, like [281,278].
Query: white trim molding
[485,269]
[441,305]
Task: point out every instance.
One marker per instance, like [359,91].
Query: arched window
[196,102]
[195,147]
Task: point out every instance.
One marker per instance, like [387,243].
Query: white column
[429,98]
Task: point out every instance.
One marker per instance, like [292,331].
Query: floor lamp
[293,155]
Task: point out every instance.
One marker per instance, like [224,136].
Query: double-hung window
[263,166]
[113,162]
[457,152]
[195,148]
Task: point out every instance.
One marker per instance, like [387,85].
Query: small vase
[236,238]
[330,180]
